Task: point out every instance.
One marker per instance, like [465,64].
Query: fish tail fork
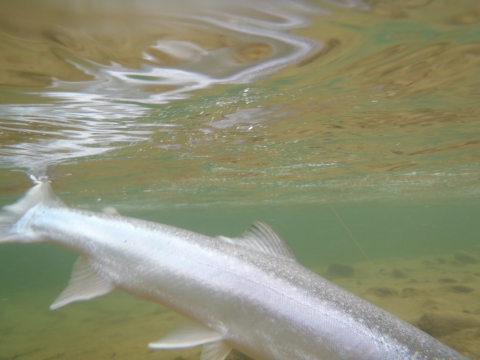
[14,218]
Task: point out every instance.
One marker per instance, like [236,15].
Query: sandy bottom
[439,294]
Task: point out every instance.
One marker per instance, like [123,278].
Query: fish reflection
[90,67]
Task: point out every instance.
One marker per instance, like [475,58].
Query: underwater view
[351,127]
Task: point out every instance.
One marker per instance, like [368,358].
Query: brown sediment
[406,292]
[460,288]
[440,298]
[382,291]
[447,280]
[466,258]
[397,273]
[440,324]
[439,294]
[336,270]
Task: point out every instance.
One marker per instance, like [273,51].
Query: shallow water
[211,118]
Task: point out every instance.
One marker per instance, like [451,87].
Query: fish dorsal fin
[262,238]
[84,284]
[188,335]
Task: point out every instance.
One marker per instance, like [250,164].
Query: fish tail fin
[11,215]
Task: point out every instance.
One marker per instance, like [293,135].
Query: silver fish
[247,293]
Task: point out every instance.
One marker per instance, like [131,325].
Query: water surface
[209,117]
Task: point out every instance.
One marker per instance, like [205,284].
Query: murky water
[209,115]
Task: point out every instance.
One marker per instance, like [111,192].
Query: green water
[315,235]
[365,110]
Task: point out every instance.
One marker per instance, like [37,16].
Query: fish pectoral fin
[84,284]
[215,351]
[260,237]
[188,335]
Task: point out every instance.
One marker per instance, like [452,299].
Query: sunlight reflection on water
[244,98]
[110,62]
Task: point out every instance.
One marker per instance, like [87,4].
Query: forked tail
[11,225]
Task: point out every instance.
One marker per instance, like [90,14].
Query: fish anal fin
[215,351]
[185,336]
[260,237]
[84,284]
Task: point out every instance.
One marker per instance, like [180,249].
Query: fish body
[247,293]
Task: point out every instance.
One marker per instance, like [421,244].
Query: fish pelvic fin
[185,336]
[194,334]
[84,284]
[215,351]
[11,215]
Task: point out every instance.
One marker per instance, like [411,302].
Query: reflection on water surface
[372,95]
[90,63]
